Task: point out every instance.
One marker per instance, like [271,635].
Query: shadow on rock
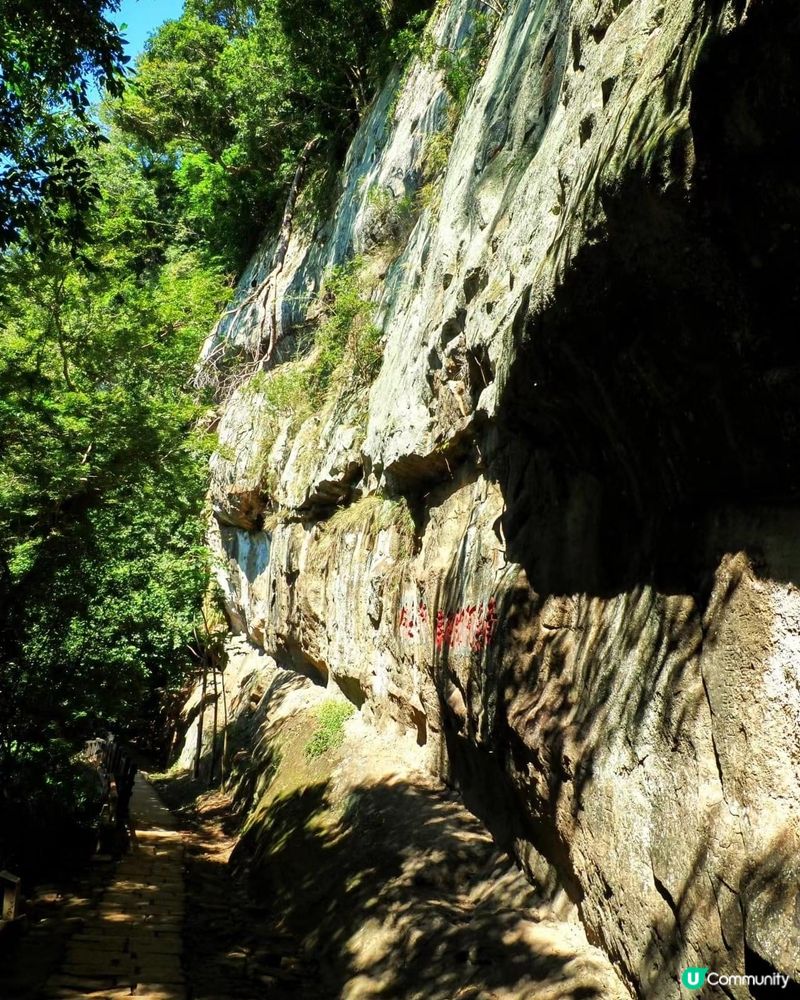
[396,891]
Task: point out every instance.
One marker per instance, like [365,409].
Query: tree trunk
[213,770]
[199,748]
[224,763]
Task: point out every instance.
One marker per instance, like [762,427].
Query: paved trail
[131,946]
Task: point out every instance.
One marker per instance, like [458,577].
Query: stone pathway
[131,945]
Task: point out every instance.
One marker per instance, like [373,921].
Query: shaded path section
[131,946]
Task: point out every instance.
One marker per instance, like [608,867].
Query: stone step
[131,943]
[101,933]
[143,992]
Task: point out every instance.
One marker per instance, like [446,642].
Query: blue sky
[142,18]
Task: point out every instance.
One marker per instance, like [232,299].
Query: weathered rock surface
[588,403]
[373,880]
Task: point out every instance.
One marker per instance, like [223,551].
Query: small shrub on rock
[329,733]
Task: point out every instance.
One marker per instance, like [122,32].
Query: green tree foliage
[117,239]
[48,54]
[230,93]
[102,477]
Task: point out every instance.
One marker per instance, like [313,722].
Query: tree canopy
[102,477]
[230,93]
[49,55]
[121,231]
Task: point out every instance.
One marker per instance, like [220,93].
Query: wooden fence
[117,773]
[9,898]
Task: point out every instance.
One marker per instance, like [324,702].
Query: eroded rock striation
[557,538]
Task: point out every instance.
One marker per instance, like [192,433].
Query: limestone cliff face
[587,402]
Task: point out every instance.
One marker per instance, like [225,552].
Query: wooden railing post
[117,774]
[9,886]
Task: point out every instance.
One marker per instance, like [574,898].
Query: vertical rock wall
[569,563]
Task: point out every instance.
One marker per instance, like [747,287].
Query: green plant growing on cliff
[286,397]
[437,152]
[226,452]
[434,163]
[412,41]
[397,516]
[286,391]
[393,218]
[358,516]
[329,729]
[347,342]
[344,357]
[463,67]
[371,515]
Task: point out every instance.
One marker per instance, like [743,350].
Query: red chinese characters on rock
[471,627]
[412,618]
[468,628]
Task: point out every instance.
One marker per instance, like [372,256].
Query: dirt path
[233,948]
[348,875]
[169,921]
[131,945]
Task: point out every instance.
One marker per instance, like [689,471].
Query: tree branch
[270,321]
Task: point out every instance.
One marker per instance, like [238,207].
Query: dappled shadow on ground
[396,891]
[233,948]
[33,949]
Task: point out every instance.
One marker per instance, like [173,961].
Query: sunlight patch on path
[132,945]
